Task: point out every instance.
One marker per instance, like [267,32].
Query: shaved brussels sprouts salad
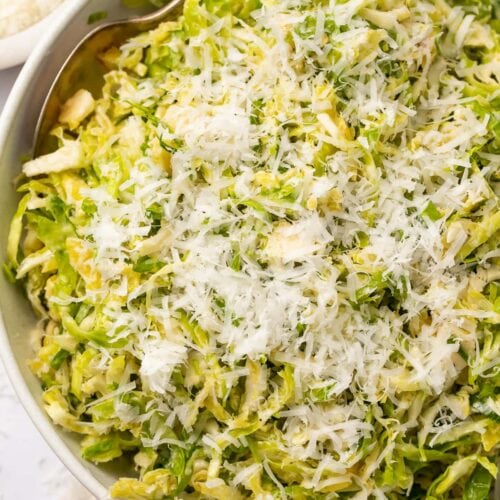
[266,258]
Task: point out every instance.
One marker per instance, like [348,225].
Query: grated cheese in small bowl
[21,14]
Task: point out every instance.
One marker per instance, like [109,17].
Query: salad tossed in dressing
[266,258]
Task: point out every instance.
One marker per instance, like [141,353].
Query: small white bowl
[15,49]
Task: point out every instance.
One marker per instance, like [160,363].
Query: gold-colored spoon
[84,70]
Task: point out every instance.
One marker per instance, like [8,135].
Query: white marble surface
[29,470]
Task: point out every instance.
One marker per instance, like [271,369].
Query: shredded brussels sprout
[266,258]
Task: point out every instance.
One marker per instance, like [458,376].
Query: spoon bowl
[82,69]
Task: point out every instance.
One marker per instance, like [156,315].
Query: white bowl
[15,49]
[17,126]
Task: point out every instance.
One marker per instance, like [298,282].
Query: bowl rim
[25,397]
